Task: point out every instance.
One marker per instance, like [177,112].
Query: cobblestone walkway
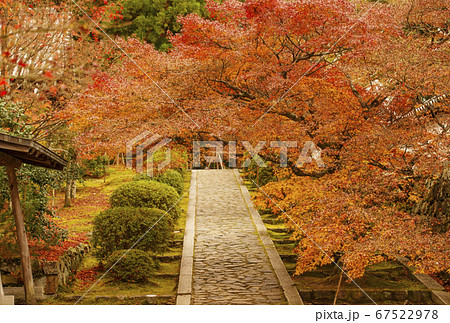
[230,262]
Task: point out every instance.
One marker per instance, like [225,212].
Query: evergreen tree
[153,20]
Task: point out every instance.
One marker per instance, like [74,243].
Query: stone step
[279,230]
[283,241]
[289,258]
[7,300]
[19,292]
[176,243]
[272,221]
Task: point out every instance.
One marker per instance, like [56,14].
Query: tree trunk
[257,175]
[68,190]
[4,48]
[73,189]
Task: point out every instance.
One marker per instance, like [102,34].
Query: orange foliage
[343,74]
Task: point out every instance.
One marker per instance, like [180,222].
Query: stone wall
[436,202]
[57,272]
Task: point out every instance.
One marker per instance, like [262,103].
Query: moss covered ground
[92,198]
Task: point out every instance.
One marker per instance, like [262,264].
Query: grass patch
[109,287]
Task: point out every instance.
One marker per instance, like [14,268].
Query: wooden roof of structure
[30,152]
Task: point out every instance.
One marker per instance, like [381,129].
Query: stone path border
[289,289]
[184,293]
[187,260]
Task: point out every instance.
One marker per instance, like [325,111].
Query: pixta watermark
[213,153]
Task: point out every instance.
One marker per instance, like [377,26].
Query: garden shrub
[96,167]
[147,193]
[170,177]
[135,266]
[173,178]
[182,171]
[120,227]
[260,175]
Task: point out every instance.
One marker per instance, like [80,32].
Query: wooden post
[257,174]
[2,296]
[21,233]
[338,288]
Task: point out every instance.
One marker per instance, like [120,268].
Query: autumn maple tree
[45,60]
[365,81]
[303,70]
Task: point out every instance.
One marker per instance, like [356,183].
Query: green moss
[109,287]
[285,249]
[388,275]
[174,251]
[89,300]
[116,176]
[169,268]
[89,262]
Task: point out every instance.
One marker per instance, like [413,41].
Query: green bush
[171,177]
[182,171]
[148,193]
[260,175]
[135,266]
[121,227]
[96,167]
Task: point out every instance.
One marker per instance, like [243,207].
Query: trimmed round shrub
[121,227]
[173,178]
[182,171]
[147,194]
[142,177]
[135,266]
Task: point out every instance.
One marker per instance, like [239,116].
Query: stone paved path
[230,265]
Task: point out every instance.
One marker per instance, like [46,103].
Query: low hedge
[170,177]
[132,266]
[173,178]
[119,228]
[147,193]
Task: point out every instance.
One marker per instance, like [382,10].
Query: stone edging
[289,289]
[184,293]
